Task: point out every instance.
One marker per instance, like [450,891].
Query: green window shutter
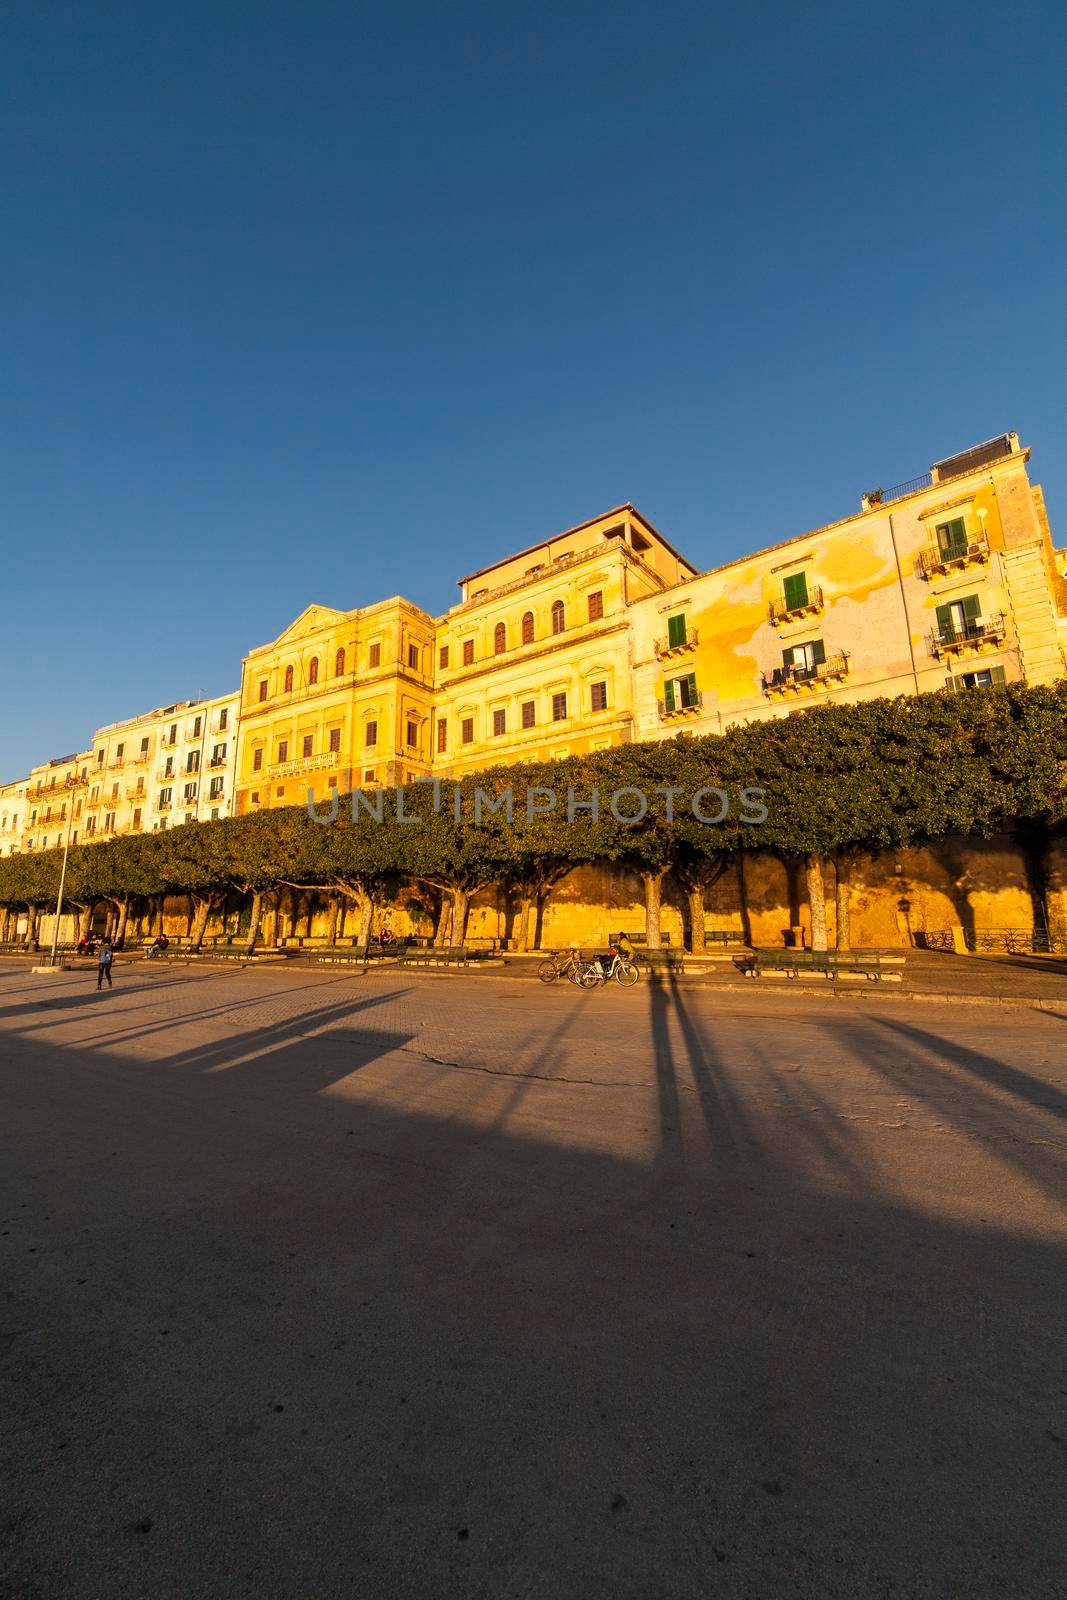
[689,693]
[952,537]
[944,621]
[796,590]
[970,607]
[950,683]
[996,677]
[818,652]
[676,629]
[668,694]
[787,657]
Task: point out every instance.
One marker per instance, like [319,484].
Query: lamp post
[72,784]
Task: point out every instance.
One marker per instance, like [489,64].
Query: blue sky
[330,302]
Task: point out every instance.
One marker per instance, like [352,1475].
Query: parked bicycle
[570,966]
[616,965]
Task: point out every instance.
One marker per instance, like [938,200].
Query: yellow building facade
[596,636]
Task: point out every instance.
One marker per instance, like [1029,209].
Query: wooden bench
[831,963]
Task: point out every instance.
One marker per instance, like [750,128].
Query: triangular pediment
[311,620]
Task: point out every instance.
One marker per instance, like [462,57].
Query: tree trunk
[653,882]
[461,905]
[85,921]
[843,877]
[522,924]
[30,941]
[334,907]
[366,920]
[199,927]
[816,900]
[123,918]
[697,939]
[254,921]
[444,918]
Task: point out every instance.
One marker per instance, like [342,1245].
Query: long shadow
[987,1068]
[723,1115]
[670,1147]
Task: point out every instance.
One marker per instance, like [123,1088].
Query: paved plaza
[320,1284]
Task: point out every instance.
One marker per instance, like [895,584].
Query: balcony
[116,764]
[217,761]
[92,805]
[971,639]
[163,806]
[664,647]
[135,792]
[166,774]
[779,611]
[293,769]
[935,562]
[679,712]
[784,681]
[141,759]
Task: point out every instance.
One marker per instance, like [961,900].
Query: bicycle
[619,968]
[571,967]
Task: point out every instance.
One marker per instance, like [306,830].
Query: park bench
[831,963]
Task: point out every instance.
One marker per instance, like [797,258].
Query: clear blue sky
[326,301]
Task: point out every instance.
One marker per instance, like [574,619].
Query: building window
[959,619]
[559,708]
[598,697]
[528,628]
[308,744]
[137,818]
[339,664]
[952,538]
[370,733]
[804,660]
[335,740]
[500,639]
[374,656]
[190,792]
[288,689]
[214,813]
[468,652]
[558,616]
[676,630]
[413,734]
[596,605]
[144,747]
[442,656]
[442,736]
[224,719]
[216,789]
[197,725]
[192,761]
[99,762]
[262,689]
[109,822]
[500,723]
[165,797]
[413,657]
[119,752]
[681,693]
[255,797]
[369,775]
[283,750]
[795,591]
[257,760]
[280,790]
[313,670]
[984,678]
[529,713]
[467,730]
[114,791]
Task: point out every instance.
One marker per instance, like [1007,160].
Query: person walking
[103,969]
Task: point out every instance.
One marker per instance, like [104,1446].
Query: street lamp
[71,785]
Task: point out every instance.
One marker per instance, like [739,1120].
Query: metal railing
[665,647]
[696,700]
[934,559]
[978,632]
[782,680]
[780,611]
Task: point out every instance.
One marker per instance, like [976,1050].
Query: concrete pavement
[318,1284]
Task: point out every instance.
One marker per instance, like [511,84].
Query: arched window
[288,681]
[339,664]
[500,639]
[557,616]
[313,670]
[527,628]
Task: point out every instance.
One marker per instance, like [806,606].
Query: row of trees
[838,782]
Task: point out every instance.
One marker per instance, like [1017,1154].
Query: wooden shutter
[952,536]
[668,693]
[689,695]
[796,591]
[676,629]
[818,652]
[996,677]
[971,607]
[787,657]
[944,622]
